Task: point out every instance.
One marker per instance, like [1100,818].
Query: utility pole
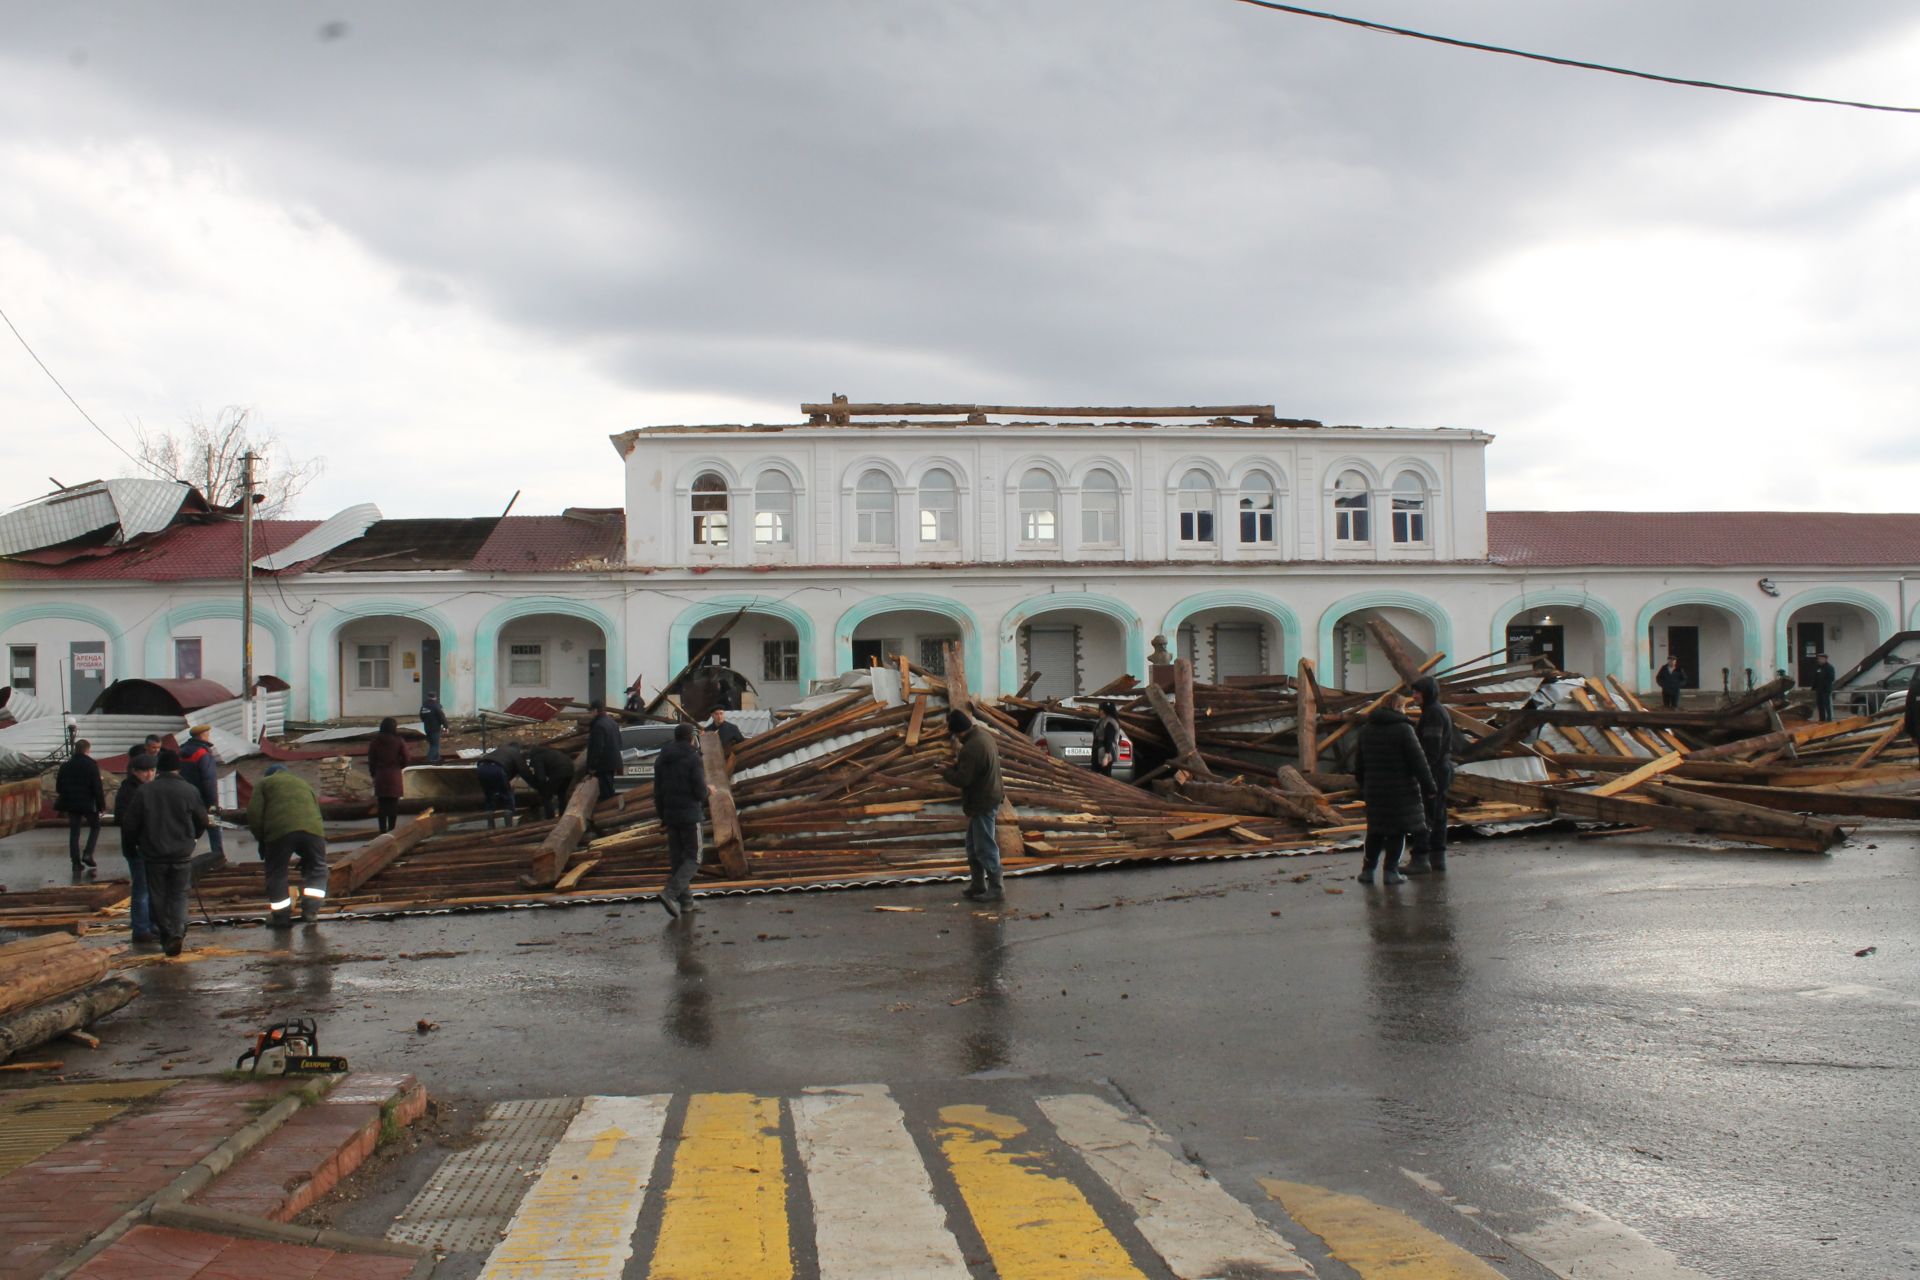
[246,595]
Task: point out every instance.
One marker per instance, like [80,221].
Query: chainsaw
[290,1048]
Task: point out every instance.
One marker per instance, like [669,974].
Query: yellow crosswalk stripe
[726,1202]
[1377,1242]
[1036,1224]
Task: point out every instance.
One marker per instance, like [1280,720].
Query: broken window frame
[1409,510]
[1352,509]
[711,499]
[1259,525]
[1199,509]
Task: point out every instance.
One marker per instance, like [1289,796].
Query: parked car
[1070,738]
[639,744]
[1890,693]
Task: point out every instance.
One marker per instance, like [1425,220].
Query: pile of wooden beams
[52,986]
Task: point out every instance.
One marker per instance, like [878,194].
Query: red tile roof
[543,544]
[1756,539]
[182,553]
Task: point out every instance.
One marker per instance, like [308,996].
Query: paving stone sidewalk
[82,1156]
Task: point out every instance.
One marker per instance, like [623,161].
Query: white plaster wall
[565,641]
[220,657]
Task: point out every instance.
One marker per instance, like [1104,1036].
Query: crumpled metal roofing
[341,527]
[133,505]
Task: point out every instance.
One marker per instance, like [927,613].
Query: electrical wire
[138,461]
[1384,28]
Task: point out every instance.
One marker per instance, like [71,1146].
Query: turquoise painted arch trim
[1290,635]
[725,607]
[321,643]
[907,602]
[1426,608]
[486,641]
[116,638]
[162,629]
[1879,610]
[1740,609]
[1134,632]
[1615,656]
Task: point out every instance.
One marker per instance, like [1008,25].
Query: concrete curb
[223,1222]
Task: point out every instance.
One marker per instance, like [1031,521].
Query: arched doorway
[920,637]
[1358,663]
[1233,633]
[1709,639]
[1845,625]
[550,655]
[1572,638]
[1073,651]
[384,664]
[771,650]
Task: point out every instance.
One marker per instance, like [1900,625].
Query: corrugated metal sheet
[39,738]
[136,506]
[335,530]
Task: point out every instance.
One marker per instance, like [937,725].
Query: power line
[1367,25]
[76,404]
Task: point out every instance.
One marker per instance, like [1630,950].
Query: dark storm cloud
[1088,200]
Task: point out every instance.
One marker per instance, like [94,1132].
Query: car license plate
[1074,753]
[637,771]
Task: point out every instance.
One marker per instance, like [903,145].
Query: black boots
[1418,865]
[976,883]
[281,919]
[309,908]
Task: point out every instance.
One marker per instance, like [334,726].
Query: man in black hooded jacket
[1396,784]
[165,820]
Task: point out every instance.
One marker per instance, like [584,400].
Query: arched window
[1100,509]
[1257,509]
[1039,508]
[1352,505]
[773,510]
[939,509]
[1409,508]
[709,510]
[873,510]
[1197,508]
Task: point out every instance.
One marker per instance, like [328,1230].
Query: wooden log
[1853,804]
[27,946]
[1307,710]
[1780,738]
[1879,744]
[30,1028]
[1183,694]
[1628,781]
[551,857]
[1403,655]
[1240,797]
[840,410]
[1356,719]
[693,663]
[1778,687]
[348,873]
[1779,830]
[1187,753]
[73,968]
[729,845]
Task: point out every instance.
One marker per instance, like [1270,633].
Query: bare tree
[209,456]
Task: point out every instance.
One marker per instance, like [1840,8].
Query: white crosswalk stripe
[874,1210]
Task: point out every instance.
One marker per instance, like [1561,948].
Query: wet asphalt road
[1676,1035]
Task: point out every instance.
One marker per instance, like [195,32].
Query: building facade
[1052,550]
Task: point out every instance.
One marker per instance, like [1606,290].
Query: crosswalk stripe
[1375,1241]
[874,1212]
[576,1223]
[1190,1220]
[1036,1224]
[726,1203]
[1572,1239]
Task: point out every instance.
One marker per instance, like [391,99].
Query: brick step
[165,1253]
[306,1157]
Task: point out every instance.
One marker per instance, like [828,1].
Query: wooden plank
[1406,657]
[1628,781]
[1202,828]
[550,858]
[1614,740]
[1183,694]
[729,844]
[1779,830]
[1766,741]
[1187,753]
[1880,744]
[841,409]
[575,874]
[359,866]
[1356,719]
[1307,706]
[915,720]
[1633,703]
[1854,804]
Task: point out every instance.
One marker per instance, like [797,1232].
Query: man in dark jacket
[496,770]
[1671,680]
[78,793]
[1106,739]
[679,799]
[728,732]
[284,816]
[603,747]
[1822,686]
[165,820]
[433,722]
[1435,732]
[139,904]
[200,766]
[552,772]
[1396,784]
[976,771]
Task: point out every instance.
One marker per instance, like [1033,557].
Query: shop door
[1050,651]
[868,653]
[1684,643]
[1810,639]
[596,675]
[429,669]
[1236,650]
[87,669]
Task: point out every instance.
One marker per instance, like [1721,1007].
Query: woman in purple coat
[386,760]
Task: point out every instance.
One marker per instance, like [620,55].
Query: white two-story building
[1048,542]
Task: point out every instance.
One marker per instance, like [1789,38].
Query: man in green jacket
[284,816]
[976,771]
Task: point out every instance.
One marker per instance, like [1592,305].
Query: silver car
[639,744]
[1070,738]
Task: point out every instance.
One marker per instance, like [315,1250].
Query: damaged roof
[1761,539]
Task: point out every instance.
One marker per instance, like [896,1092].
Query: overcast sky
[450,248]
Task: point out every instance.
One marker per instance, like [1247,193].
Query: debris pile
[51,986]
